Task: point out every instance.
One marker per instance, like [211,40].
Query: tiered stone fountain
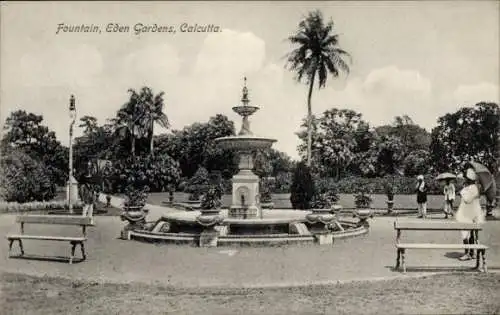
[246,198]
[245,222]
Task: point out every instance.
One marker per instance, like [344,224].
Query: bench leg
[10,245]
[403,260]
[483,254]
[478,258]
[82,248]
[73,246]
[21,246]
[398,258]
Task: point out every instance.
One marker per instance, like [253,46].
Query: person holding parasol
[478,180]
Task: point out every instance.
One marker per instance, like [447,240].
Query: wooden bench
[401,248]
[70,220]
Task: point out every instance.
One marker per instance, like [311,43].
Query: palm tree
[153,113]
[129,122]
[317,55]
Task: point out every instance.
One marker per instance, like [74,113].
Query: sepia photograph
[250,157]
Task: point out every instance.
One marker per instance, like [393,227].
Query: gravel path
[111,259]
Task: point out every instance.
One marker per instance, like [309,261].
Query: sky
[423,59]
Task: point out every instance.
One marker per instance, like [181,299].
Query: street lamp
[72,116]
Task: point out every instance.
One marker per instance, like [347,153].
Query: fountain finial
[245,100]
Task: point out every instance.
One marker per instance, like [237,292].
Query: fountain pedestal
[246,198]
[245,204]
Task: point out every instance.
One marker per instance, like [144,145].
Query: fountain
[244,222]
[246,198]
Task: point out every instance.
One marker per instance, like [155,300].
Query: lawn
[282,201]
[466,293]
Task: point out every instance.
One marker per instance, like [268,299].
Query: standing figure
[421,191]
[449,198]
[88,190]
[469,210]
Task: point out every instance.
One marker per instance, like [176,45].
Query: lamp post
[72,116]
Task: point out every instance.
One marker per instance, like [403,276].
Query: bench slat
[441,246]
[49,238]
[436,225]
[55,219]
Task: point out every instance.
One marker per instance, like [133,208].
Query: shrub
[25,179]
[198,184]
[265,187]
[401,185]
[362,200]
[282,182]
[37,205]
[302,189]
[158,173]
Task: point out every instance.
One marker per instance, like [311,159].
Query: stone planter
[320,221]
[209,219]
[363,215]
[390,206]
[135,217]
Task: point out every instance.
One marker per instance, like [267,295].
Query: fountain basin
[277,227]
[245,110]
[244,143]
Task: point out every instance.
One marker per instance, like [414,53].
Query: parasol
[486,179]
[445,176]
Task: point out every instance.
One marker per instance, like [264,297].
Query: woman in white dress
[469,210]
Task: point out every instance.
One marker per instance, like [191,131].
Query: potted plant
[133,209]
[363,200]
[135,199]
[389,192]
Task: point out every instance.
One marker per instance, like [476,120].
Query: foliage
[194,146]
[198,184]
[318,54]
[25,179]
[417,162]
[265,188]
[325,194]
[302,189]
[377,185]
[37,206]
[158,173]
[282,182]
[212,198]
[25,131]
[97,142]
[135,197]
[337,136]
[469,133]
[362,200]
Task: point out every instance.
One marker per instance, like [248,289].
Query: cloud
[59,65]
[383,94]
[469,95]
[151,65]
[229,54]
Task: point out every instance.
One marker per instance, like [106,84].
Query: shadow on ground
[58,259]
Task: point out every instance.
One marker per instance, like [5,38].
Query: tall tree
[152,112]
[317,55]
[469,133]
[26,132]
[130,122]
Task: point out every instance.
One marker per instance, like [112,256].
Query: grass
[282,201]
[466,293]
